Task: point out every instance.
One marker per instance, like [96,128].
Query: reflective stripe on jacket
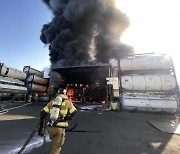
[66,108]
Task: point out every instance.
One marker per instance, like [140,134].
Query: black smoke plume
[84,32]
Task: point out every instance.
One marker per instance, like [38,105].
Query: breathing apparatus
[56,108]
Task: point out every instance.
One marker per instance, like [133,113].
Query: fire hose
[29,139]
[44,136]
[31,136]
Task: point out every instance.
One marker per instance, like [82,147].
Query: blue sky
[20,26]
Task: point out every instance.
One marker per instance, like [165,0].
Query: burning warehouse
[82,36]
[83,83]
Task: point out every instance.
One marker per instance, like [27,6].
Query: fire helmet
[62,91]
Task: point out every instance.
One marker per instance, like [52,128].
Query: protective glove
[68,117]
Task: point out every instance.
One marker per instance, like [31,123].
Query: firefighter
[36,98]
[29,98]
[59,110]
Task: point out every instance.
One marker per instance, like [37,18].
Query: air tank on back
[29,70]
[162,82]
[12,72]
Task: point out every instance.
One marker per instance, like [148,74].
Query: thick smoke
[84,32]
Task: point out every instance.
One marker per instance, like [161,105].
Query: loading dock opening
[83,83]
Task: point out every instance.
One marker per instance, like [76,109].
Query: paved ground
[97,133]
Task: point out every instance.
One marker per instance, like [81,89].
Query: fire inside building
[83,83]
[138,81]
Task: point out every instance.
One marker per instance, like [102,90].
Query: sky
[154,27]
[20,27]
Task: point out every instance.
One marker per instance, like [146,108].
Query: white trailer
[146,76]
[12,72]
[36,79]
[28,70]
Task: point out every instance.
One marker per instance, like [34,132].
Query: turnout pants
[57,135]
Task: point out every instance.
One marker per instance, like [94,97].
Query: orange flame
[103,102]
[70,94]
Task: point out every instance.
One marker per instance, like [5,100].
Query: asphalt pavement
[97,132]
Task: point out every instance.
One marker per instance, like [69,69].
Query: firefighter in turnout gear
[59,110]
